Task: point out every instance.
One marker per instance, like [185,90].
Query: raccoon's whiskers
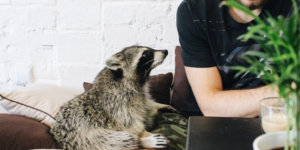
[148,62]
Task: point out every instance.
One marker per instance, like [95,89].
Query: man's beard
[254,6]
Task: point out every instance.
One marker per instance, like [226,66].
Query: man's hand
[207,87]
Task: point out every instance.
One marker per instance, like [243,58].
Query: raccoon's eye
[146,54]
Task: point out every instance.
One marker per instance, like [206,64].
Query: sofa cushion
[160,87]
[20,133]
[181,84]
[38,101]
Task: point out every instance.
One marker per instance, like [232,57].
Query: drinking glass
[273,116]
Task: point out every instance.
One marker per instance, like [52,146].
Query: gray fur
[113,113]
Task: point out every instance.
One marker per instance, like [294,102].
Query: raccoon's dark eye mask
[146,54]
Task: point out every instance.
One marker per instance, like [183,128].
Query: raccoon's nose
[165,52]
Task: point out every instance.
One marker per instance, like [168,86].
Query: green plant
[280,39]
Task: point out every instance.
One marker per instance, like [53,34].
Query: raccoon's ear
[114,63]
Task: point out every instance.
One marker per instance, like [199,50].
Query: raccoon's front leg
[158,107]
[153,111]
[165,107]
[153,141]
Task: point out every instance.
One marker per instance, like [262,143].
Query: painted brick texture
[66,42]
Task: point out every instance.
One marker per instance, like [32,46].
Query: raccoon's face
[136,60]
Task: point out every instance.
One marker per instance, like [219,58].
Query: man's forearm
[208,90]
[234,103]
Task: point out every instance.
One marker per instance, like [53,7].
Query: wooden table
[213,133]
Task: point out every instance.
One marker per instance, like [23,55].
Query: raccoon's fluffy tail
[96,139]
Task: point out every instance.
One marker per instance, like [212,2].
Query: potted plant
[281,56]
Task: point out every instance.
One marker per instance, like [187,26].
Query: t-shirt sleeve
[195,49]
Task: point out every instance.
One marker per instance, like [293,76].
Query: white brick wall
[65,42]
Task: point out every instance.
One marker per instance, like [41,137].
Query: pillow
[2,110]
[87,86]
[20,133]
[160,87]
[181,84]
[38,101]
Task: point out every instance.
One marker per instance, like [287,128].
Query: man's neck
[242,17]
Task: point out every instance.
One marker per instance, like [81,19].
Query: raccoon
[115,113]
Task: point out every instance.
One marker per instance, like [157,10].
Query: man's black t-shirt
[208,37]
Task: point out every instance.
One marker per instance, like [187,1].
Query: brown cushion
[181,84]
[20,133]
[160,87]
[87,86]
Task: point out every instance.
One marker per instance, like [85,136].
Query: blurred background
[66,42]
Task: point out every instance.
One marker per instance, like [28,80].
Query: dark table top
[213,133]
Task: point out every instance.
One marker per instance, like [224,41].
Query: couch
[22,130]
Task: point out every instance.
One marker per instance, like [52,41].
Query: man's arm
[207,87]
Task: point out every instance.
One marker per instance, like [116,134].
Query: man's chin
[253,4]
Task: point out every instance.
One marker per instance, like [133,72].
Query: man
[208,37]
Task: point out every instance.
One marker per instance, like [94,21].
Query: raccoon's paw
[169,108]
[154,141]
